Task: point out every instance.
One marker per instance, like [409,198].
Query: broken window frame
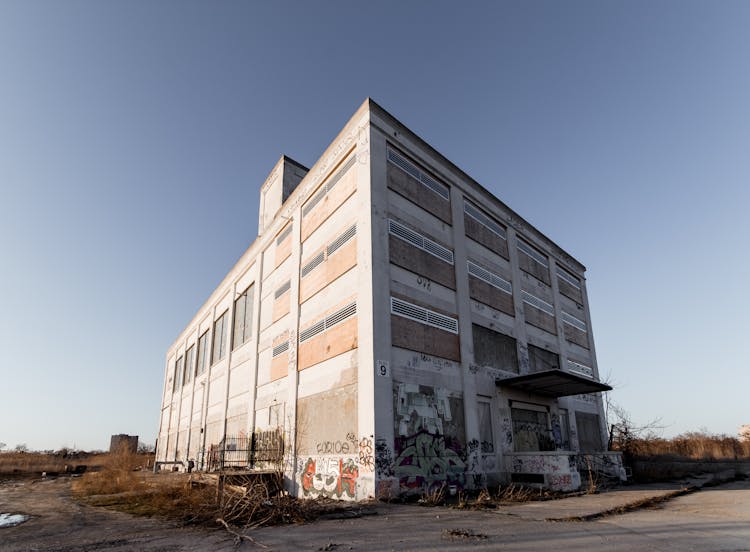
[219,348]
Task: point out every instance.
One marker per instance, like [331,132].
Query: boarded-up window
[178,368]
[220,338]
[531,431]
[494,349]
[189,364]
[589,432]
[203,349]
[541,360]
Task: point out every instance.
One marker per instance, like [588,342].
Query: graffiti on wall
[383,459]
[344,446]
[560,481]
[330,477]
[366,459]
[506,428]
[541,463]
[429,428]
[426,461]
[556,430]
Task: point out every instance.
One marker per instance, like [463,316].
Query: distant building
[402,328]
[127,442]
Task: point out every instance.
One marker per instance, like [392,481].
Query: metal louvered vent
[484,220]
[406,234]
[573,321]
[438,250]
[328,322]
[572,280]
[328,186]
[403,164]
[423,315]
[579,368]
[279,349]
[348,234]
[533,253]
[537,303]
[489,277]
[284,234]
[283,289]
[407,310]
[418,240]
[341,315]
[310,205]
[312,264]
[312,331]
[412,170]
[340,174]
[443,322]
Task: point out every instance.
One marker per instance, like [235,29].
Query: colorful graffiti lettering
[334,478]
[425,460]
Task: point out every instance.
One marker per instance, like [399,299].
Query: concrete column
[594,364]
[167,393]
[192,393]
[466,339]
[380,323]
[520,319]
[229,325]
[290,412]
[257,294]
[179,400]
[562,346]
[207,386]
[366,358]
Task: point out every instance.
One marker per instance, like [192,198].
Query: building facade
[398,326]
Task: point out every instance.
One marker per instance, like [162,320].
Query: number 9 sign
[382,368]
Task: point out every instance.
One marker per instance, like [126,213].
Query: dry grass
[194,498]
[515,493]
[123,484]
[695,445]
[37,462]
[435,497]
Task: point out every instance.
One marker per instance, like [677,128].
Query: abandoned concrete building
[398,327]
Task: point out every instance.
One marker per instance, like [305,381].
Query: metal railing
[261,450]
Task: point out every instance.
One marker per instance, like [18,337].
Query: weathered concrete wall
[417,392]
[120,442]
[327,443]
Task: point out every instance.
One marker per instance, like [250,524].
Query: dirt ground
[60,523]
[715,519]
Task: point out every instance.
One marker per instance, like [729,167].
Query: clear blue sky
[134,137]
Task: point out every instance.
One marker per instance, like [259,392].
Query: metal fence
[261,450]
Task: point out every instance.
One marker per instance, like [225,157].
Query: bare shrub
[434,497]
[484,498]
[515,493]
[118,474]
